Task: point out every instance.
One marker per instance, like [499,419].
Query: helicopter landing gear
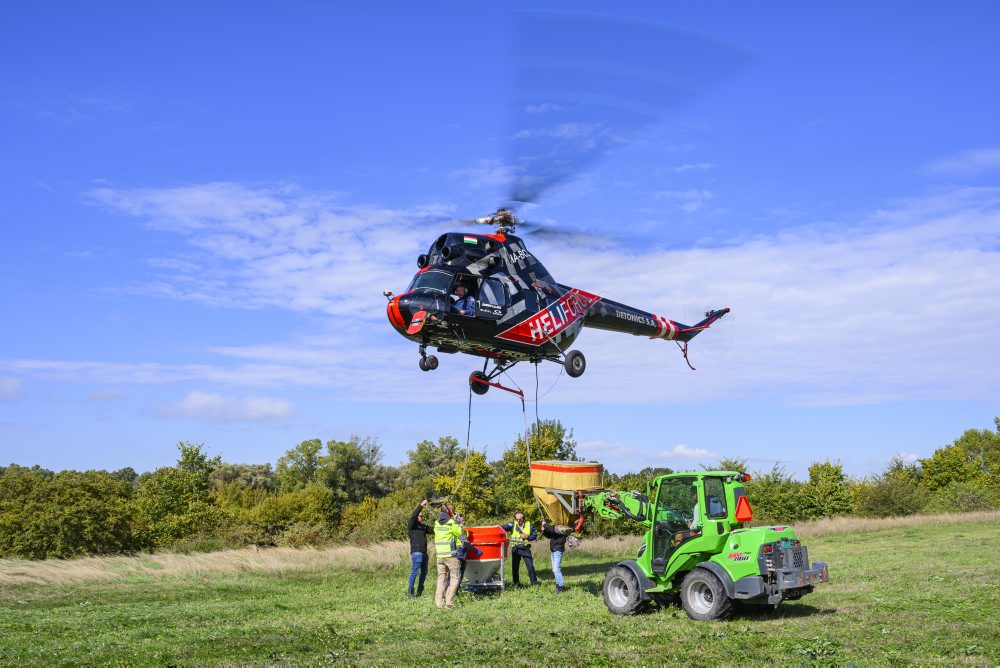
[575,364]
[427,362]
[478,382]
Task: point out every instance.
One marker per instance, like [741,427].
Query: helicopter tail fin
[685,333]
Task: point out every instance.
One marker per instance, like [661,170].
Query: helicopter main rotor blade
[586,85]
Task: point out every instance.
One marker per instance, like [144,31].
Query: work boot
[560,589]
[420,591]
[409,593]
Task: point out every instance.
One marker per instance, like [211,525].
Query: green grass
[910,594]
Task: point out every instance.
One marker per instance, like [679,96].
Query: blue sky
[203,204]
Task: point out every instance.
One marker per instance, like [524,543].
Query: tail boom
[618,317]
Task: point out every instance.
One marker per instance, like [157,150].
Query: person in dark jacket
[418,549]
[464,550]
[521,533]
[557,546]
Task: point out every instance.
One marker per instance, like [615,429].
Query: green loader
[696,547]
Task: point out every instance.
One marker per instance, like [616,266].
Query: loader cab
[691,512]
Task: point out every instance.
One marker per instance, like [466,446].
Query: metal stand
[496,582]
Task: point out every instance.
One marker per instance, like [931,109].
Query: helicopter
[521,313]
[572,104]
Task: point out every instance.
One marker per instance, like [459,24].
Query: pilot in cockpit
[465,305]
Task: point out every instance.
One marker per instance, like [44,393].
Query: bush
[201,543]
[891,496]
[385,519]
[828,492]
[311,505]
[302,534]
[774,497]
[962,497]
[65,514]
[171,504]
[893,493]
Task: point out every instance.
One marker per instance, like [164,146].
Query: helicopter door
[492,300]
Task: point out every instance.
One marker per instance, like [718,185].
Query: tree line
[319,493]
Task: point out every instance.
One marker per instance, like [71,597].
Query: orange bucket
[491,540]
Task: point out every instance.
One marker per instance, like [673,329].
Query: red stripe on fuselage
[545,324]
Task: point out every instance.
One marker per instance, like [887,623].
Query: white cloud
[694,167]
[543,108]
[117,373]
[909,457]
[105,395]
[570,130]
[10,389]
[277,246]
[599,450]
[684,452]
[216,408]
[486,174]
[899,305]
[967,163]
[689,200]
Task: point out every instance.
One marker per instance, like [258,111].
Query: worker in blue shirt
[465,305]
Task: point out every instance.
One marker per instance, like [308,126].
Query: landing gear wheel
[477,387]
[621,591]
[575,363]
[422,363]
[703,596]
[431,363]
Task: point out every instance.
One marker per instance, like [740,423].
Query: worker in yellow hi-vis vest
[448,536]
[521,534]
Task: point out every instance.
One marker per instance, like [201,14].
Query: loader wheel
[621,591]
[703,596]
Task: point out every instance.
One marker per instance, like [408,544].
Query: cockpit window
[492,292]
[438,281]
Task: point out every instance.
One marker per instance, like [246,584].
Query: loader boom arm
[615,505]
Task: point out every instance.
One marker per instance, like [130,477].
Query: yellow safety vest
[446,537]
[515,533]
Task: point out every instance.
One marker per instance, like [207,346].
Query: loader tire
[621,591]
[703,596]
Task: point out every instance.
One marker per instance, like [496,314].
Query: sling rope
[524,414]
[527,433]
[468,442]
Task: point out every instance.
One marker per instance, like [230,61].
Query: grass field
[924,590]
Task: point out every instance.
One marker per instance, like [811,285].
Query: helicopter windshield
[439,281]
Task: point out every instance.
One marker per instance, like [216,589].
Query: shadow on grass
[587,569]
[740,610]
[783,611]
